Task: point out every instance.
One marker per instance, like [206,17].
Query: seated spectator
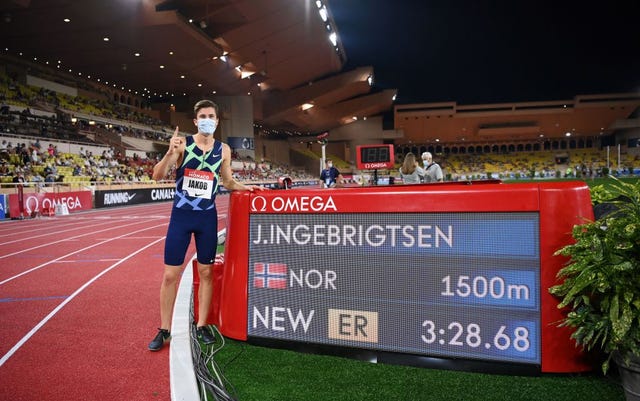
[4,150]
[24,154]
[35,177]
[19,177]
[35,157]
[4,168]
[50,177]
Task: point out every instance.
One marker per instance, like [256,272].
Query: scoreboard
[372,157]
[452,272]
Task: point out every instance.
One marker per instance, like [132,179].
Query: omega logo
[258,204]
[293,204]
[32,203]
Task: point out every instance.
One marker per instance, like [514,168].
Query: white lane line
[145,237]
[85,260]
[48,234]
[182,375]
[8,227]
[58,230]
[66,301]
[10,230]
[70,238]
[74,252]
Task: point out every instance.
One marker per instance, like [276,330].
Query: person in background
[411,172]
[4,169]
[18,178]
[202,164]
[330,177]
[4,150]
[433,172]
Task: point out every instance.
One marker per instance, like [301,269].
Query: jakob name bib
[197,183]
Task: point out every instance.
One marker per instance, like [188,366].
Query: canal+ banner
[124,197]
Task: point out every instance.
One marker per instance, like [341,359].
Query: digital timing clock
[458,276]
[371,157]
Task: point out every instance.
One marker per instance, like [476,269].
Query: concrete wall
[343,140]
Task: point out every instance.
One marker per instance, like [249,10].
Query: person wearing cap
[432,171]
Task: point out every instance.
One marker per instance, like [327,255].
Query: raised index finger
[175,133]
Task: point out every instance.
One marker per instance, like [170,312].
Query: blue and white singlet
[197,178]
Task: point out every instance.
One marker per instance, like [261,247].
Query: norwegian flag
[270,275]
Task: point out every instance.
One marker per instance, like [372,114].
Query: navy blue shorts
[203,224]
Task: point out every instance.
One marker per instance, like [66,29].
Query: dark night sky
[476,52]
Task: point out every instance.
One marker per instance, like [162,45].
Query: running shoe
[205,335]
[159,340]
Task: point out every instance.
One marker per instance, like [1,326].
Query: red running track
[79,304]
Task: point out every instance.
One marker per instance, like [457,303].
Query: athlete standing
[202,164]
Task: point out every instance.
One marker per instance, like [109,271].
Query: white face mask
[329,165]
[207,126]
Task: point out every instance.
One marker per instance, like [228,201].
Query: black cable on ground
[209,375]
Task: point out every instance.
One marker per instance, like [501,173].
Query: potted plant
[601,281]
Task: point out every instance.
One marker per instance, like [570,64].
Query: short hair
[203,104]
[427,155]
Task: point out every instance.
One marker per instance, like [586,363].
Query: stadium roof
[279,52]
[584,116]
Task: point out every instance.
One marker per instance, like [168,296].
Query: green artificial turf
[264,374]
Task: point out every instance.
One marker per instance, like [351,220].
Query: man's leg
[168,291]
[206,244]
[205,291]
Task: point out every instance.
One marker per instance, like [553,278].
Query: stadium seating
[18,97]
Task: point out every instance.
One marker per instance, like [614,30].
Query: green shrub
[601,284]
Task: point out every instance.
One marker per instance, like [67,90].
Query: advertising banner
[122,197]
[36,202]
